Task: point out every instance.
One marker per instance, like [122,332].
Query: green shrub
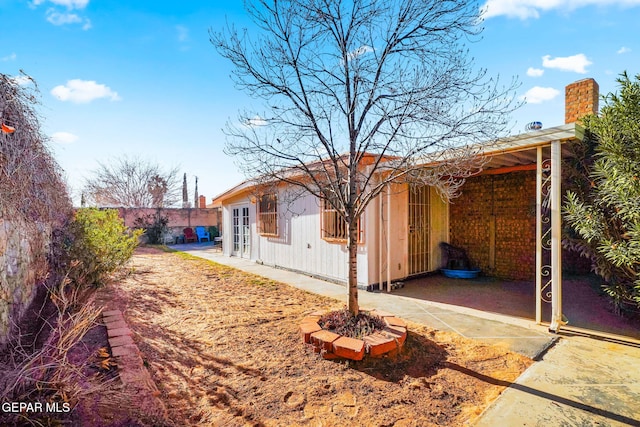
[603,206]
[101,245]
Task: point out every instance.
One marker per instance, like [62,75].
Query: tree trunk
[353,266]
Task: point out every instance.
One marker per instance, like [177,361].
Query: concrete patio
[585,306]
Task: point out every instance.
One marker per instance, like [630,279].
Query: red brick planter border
[333,346]
[131,369]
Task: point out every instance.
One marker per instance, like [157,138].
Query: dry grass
[222,346]
[53,364]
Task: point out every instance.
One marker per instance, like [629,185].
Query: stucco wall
[23,265]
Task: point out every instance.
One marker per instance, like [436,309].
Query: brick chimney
[581,99]
[202,202]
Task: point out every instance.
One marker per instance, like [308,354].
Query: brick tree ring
[332,345]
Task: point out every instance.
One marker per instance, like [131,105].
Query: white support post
[556,236]
[539,236]
[389,237]
[380,229]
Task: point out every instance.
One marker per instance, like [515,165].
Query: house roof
[506,152]
[247,185]
[243,187]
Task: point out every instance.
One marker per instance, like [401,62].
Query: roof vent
[533,126]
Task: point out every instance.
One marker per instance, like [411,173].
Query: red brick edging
[131,369]
[332,345]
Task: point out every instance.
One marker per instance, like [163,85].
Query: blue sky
[141,77]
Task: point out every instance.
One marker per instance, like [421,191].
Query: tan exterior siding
[299,244]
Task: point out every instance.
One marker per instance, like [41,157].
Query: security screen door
[419,229]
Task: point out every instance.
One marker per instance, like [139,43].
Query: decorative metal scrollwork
[545,291]
[545,237]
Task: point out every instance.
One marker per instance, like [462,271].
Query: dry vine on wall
[31,184]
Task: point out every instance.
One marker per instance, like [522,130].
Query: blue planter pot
[461,274]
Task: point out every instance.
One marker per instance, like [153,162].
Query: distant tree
[132,182]
[195,195]
[185,195]
[357,95]
[603,206]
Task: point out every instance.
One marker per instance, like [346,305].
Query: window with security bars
[334,227]
[268,215]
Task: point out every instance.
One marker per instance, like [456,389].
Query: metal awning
[521,150]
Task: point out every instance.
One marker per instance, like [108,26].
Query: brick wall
[494,220]
[581,99]
[184,217]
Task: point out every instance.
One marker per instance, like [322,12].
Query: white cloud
[525,9]
[509,8]
[534,72]
[576,63]
[69,4]
[64,138]
[22,80]
[11,57]
[623,49]
[256,121]
[183,33]
[359,52]
[538,95]
[57,18]
[83,91]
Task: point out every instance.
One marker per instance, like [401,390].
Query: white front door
[241,232]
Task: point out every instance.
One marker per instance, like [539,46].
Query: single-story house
[507,218]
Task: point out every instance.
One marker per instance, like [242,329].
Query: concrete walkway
[579,381]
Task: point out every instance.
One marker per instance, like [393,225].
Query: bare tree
[359,94]
[133,182]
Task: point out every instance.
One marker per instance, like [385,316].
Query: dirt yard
[223,348]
